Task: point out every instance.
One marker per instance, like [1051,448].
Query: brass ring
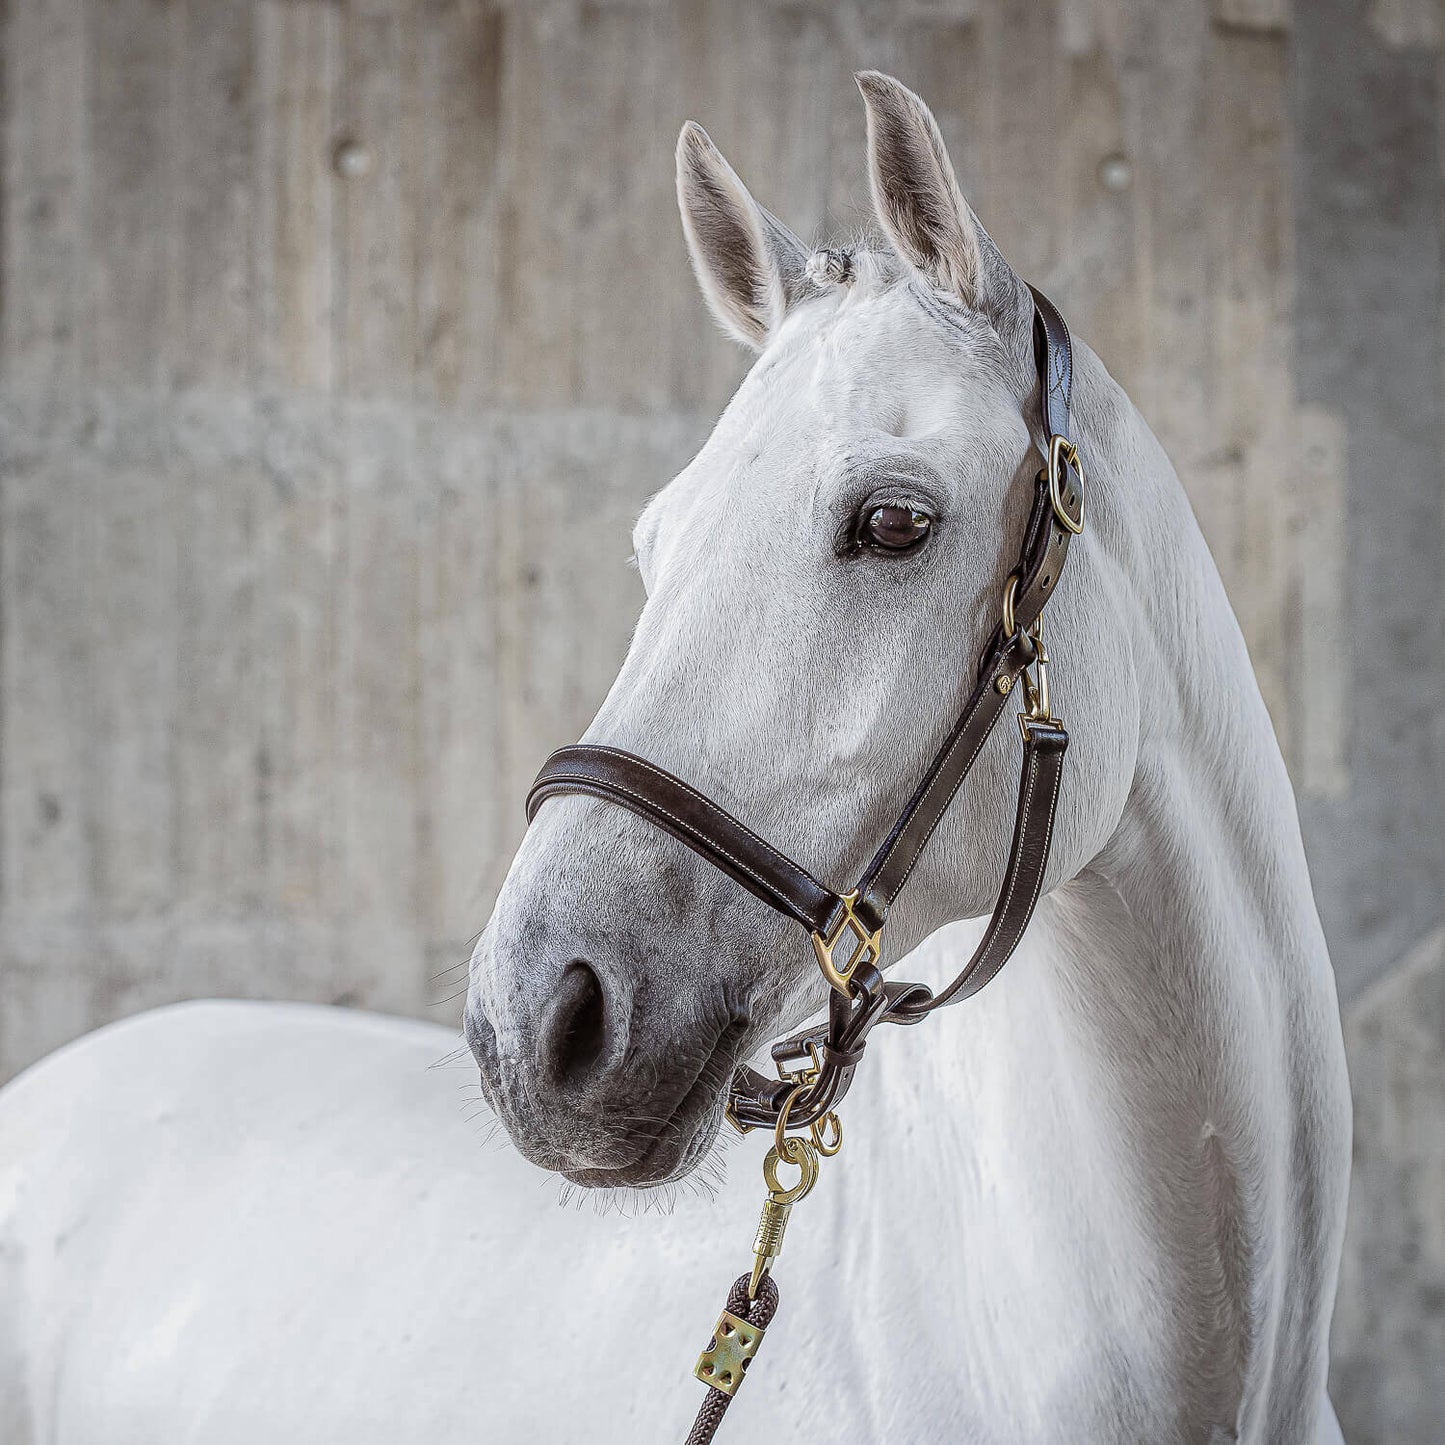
[806,1162]
[827,1134]
[1010,592]
[1010,620]
[780,1133]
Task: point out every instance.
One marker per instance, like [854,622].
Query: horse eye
[894,528]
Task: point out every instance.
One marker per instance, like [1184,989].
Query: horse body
[231,1222]
[1103,1201]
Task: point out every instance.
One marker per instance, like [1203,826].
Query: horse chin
[682,1144]
[670,1154]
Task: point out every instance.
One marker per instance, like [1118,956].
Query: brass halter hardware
[1036,688]
[1035,677]
[1010,591]
[802,1154]
[1063,454]
[863,946]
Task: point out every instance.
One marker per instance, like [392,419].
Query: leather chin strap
[846,928]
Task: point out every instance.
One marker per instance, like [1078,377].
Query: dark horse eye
[895,528]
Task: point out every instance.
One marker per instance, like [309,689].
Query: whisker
[447,1060]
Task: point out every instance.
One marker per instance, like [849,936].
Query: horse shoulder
[215,1195]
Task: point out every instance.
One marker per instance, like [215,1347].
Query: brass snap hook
[1036,681]
[799,1153]
[1035,676]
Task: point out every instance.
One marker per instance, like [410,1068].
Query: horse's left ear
[921,207]
[750,266]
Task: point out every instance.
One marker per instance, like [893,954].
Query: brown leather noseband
[817,1065]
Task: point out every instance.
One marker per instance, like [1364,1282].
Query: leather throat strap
[1055,516]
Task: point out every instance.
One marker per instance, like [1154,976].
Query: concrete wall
[1389,1338]
[341,341]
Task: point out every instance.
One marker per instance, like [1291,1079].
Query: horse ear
[750,266]
[915,191]
[921,208]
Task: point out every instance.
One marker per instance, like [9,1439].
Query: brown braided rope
[758,1313]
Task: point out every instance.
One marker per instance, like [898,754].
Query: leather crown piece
[850,924]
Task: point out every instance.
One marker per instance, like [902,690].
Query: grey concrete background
[339,343]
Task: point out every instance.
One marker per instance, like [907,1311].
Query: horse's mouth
[668,1153]
[684,1138]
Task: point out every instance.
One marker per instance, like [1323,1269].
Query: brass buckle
[1062,454]
[863,948]
[730,1114]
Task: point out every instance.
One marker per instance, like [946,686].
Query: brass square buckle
[848,933]
[1063,454]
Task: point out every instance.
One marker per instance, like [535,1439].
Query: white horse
[1102,1202]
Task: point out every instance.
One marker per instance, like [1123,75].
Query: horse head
[820,580]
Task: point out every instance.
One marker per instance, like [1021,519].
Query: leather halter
[817,1064]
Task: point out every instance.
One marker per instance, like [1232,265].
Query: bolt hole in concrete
[1116,172]
[350,159]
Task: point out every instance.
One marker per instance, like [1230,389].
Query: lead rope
[753,1300]
[741,1317]
[815,1068]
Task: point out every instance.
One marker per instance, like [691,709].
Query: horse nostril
[574,1029]
[481,1036]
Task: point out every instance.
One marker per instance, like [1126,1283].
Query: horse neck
[1153,1094]
[1180,949]
[1190,1001]
[1182,975]
[1207,857]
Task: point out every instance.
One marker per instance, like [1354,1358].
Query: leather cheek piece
[1023,877]
[894,862]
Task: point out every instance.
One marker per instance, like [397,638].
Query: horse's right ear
[922,210]
[749,265]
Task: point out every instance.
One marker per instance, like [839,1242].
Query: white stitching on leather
[684,825]
[790,906]
[953,792]
[987,945]
[708,803]
[1038,881]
